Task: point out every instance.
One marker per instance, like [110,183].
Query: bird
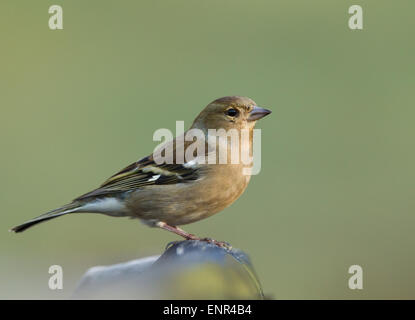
[173,193]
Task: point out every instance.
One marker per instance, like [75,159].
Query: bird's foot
[221,244]
[189,236]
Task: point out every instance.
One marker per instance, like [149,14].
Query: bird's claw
[221,244]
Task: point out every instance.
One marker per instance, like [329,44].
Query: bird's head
[230,113]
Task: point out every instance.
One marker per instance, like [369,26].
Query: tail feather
[69,208]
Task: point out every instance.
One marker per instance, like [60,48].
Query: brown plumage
[167,195]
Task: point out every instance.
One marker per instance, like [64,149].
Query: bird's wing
[143,173]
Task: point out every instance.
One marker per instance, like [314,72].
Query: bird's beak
[258,113]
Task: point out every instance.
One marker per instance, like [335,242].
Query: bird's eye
[232,112]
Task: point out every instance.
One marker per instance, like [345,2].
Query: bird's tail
[71,207]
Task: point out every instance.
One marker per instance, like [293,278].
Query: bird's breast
[182,203]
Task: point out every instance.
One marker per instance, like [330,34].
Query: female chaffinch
[167,195]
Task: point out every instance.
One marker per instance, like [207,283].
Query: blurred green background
[337,180]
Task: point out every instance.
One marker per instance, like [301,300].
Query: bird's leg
[189,236]
[177,230]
